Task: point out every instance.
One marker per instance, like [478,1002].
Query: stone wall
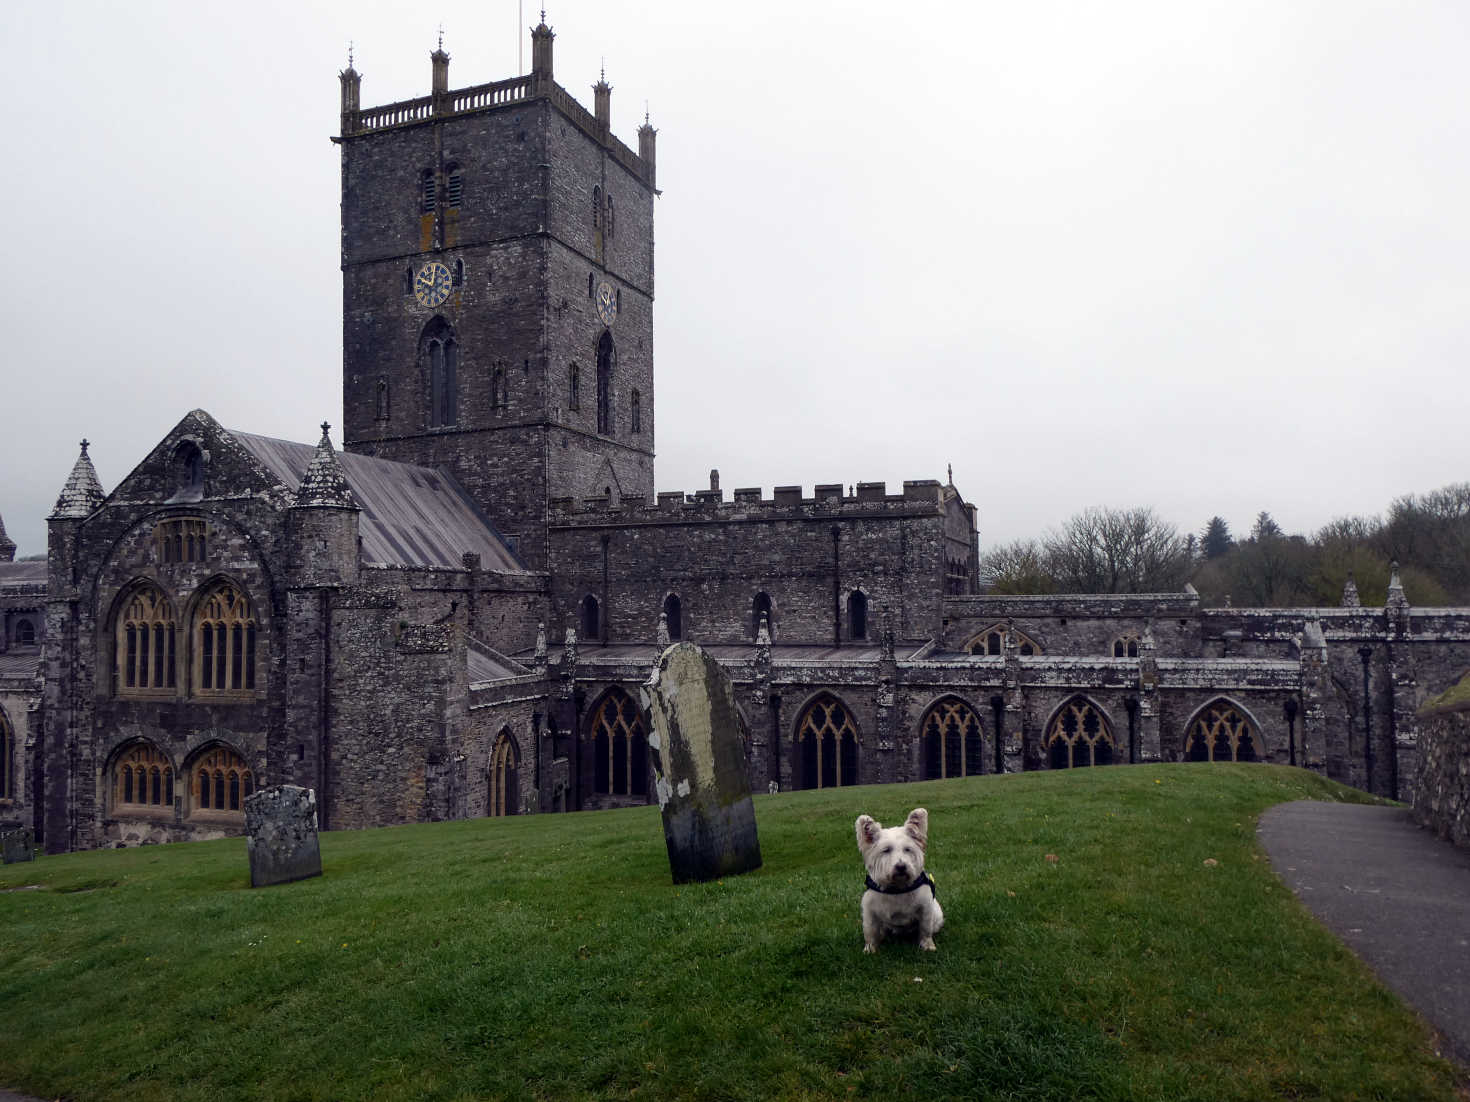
[1441,790]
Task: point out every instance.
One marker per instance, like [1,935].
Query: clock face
[607,303]
[431,285]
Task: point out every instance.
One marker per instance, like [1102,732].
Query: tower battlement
[919,497]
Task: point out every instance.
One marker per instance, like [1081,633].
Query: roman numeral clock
[431,285]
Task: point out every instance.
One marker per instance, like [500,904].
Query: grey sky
[1212,257]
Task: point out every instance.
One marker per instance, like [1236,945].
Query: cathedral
[448,614]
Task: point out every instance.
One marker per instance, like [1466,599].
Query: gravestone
[699,767]
[18,845]
[281,825]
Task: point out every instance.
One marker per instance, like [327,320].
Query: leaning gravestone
[18,845]
[281,824]
[699,767]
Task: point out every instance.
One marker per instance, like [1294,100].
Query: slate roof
[490,665]
[82,493]
[23,666]
[30,572]
[411,516]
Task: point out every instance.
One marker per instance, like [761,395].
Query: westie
[900,898]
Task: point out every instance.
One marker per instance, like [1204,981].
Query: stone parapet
[871,499]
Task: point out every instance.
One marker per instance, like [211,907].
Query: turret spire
[83,492]
[324,484]
[7,545]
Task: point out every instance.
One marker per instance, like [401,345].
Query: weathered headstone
[18,845]
[281,824]
[699,767]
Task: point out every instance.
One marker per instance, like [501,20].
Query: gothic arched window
[220,781]
[1222,733]
[674,617]
[606,361]
[455,192]
[574,387]
[456,278]
[607,228]
[381,411]
[25,633]
[1126,645]
[7,759]
[146,643]
[224,638]
[619,747]
[505,789]
[428,192]
[142,778]
[635,412]
[1079,735]
[827,744]
[952,739]
[992,641]
[857,614]
[591,618]
[761,608]
[441,355]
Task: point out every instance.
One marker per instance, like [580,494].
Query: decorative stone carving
[281,824]
[699,767]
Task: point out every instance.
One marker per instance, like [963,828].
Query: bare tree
[1117,551]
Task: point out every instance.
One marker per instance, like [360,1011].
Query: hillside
[550,957]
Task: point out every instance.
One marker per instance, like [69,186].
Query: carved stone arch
[186,463]
[1223,729]
[617,735]
[1078,732]
[826,743]
[951,739]
[991,641]
[1125,645]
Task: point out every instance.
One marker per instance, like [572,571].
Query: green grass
[549,957]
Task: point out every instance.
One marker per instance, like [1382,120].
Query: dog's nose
[900,869]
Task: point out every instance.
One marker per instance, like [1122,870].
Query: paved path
[1394,893]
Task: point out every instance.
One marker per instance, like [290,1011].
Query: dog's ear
[867,831]
[917,824]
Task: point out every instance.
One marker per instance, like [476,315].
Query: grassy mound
[549,957]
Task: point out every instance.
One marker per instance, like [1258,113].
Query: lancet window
[181,539]
[1126,645]
[505,790]
[993,641]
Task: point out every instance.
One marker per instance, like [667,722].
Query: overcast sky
[1212,257]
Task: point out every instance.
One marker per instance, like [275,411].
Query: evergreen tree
[1216,539]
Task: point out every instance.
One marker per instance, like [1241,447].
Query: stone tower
[497,292]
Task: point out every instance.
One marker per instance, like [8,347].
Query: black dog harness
[924,878]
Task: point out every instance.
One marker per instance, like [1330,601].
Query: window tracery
[224,640]
[1126,645]
[1079,735]
[953,740]
[619,747]
[827,744]
[142,779]
[1222,733]
[181,539]
[220,781]
[993,641]
[441,353]
[146,643]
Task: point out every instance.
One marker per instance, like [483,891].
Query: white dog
[900,896]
